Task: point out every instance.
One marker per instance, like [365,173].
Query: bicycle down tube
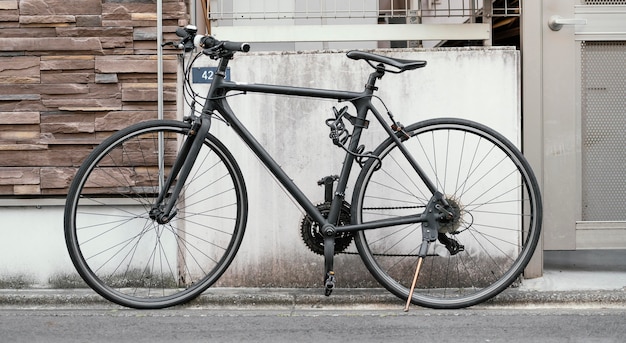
[216,100]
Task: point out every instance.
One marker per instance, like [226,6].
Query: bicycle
[444,213]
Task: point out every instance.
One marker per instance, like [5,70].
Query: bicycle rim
[481,174]
[131,259]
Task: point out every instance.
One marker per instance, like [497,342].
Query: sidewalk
[555,288]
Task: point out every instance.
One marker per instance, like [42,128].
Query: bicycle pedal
[329,283]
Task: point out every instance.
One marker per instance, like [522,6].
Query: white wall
[32,246]
[473,83]
[301,12]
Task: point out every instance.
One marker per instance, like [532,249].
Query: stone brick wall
[72,72]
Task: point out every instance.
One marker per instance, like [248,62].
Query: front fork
[163,208]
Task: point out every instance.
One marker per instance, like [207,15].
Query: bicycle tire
[481,174]
[129,258]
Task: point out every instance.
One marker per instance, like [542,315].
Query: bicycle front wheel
[131,259]
[491,188]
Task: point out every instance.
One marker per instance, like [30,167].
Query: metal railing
[358,20]
[357,9]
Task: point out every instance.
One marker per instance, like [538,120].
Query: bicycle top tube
[292,90]
[220,86]
[341,95]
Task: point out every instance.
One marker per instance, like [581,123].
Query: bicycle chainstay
[311,236]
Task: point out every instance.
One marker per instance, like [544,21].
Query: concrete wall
[474,83]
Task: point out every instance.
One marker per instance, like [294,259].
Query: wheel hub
[453,224]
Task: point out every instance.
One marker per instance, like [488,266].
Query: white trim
[365,32]
[60,202]
[31,202]
[600,235]
[603,23]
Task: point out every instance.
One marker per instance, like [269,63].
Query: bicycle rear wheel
[481,175]
[126,256]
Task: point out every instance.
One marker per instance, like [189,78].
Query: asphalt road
[312,325]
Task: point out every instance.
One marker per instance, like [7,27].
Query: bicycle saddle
[401,64]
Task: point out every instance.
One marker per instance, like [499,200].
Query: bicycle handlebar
[210,45]
[210,42]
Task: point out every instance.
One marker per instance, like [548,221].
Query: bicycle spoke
[483,181]
[115,241]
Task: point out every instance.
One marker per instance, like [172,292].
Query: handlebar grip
[236,46]
[208,42]
[181,32]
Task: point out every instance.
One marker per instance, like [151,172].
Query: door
[574,56]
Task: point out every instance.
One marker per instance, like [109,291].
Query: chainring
[313,238]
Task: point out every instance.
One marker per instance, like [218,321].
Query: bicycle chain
[403,255]
[394,208]
[315,242]
[387,208]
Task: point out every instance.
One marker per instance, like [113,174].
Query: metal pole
[414,13]
[159,59]
[160,90]
[488,19]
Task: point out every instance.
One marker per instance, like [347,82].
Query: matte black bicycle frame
[217,101]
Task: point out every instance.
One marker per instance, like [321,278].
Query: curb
[302,298]
[596,298]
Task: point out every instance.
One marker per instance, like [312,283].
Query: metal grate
[604,2]
[603,131]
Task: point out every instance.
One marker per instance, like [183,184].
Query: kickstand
[420,259]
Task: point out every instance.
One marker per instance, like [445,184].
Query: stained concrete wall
[473,83]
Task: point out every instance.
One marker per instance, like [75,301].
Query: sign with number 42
[206,74]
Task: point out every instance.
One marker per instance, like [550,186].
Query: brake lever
[214,52]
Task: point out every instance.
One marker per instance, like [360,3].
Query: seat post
[376,75]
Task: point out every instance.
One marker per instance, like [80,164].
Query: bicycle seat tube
[363,105]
